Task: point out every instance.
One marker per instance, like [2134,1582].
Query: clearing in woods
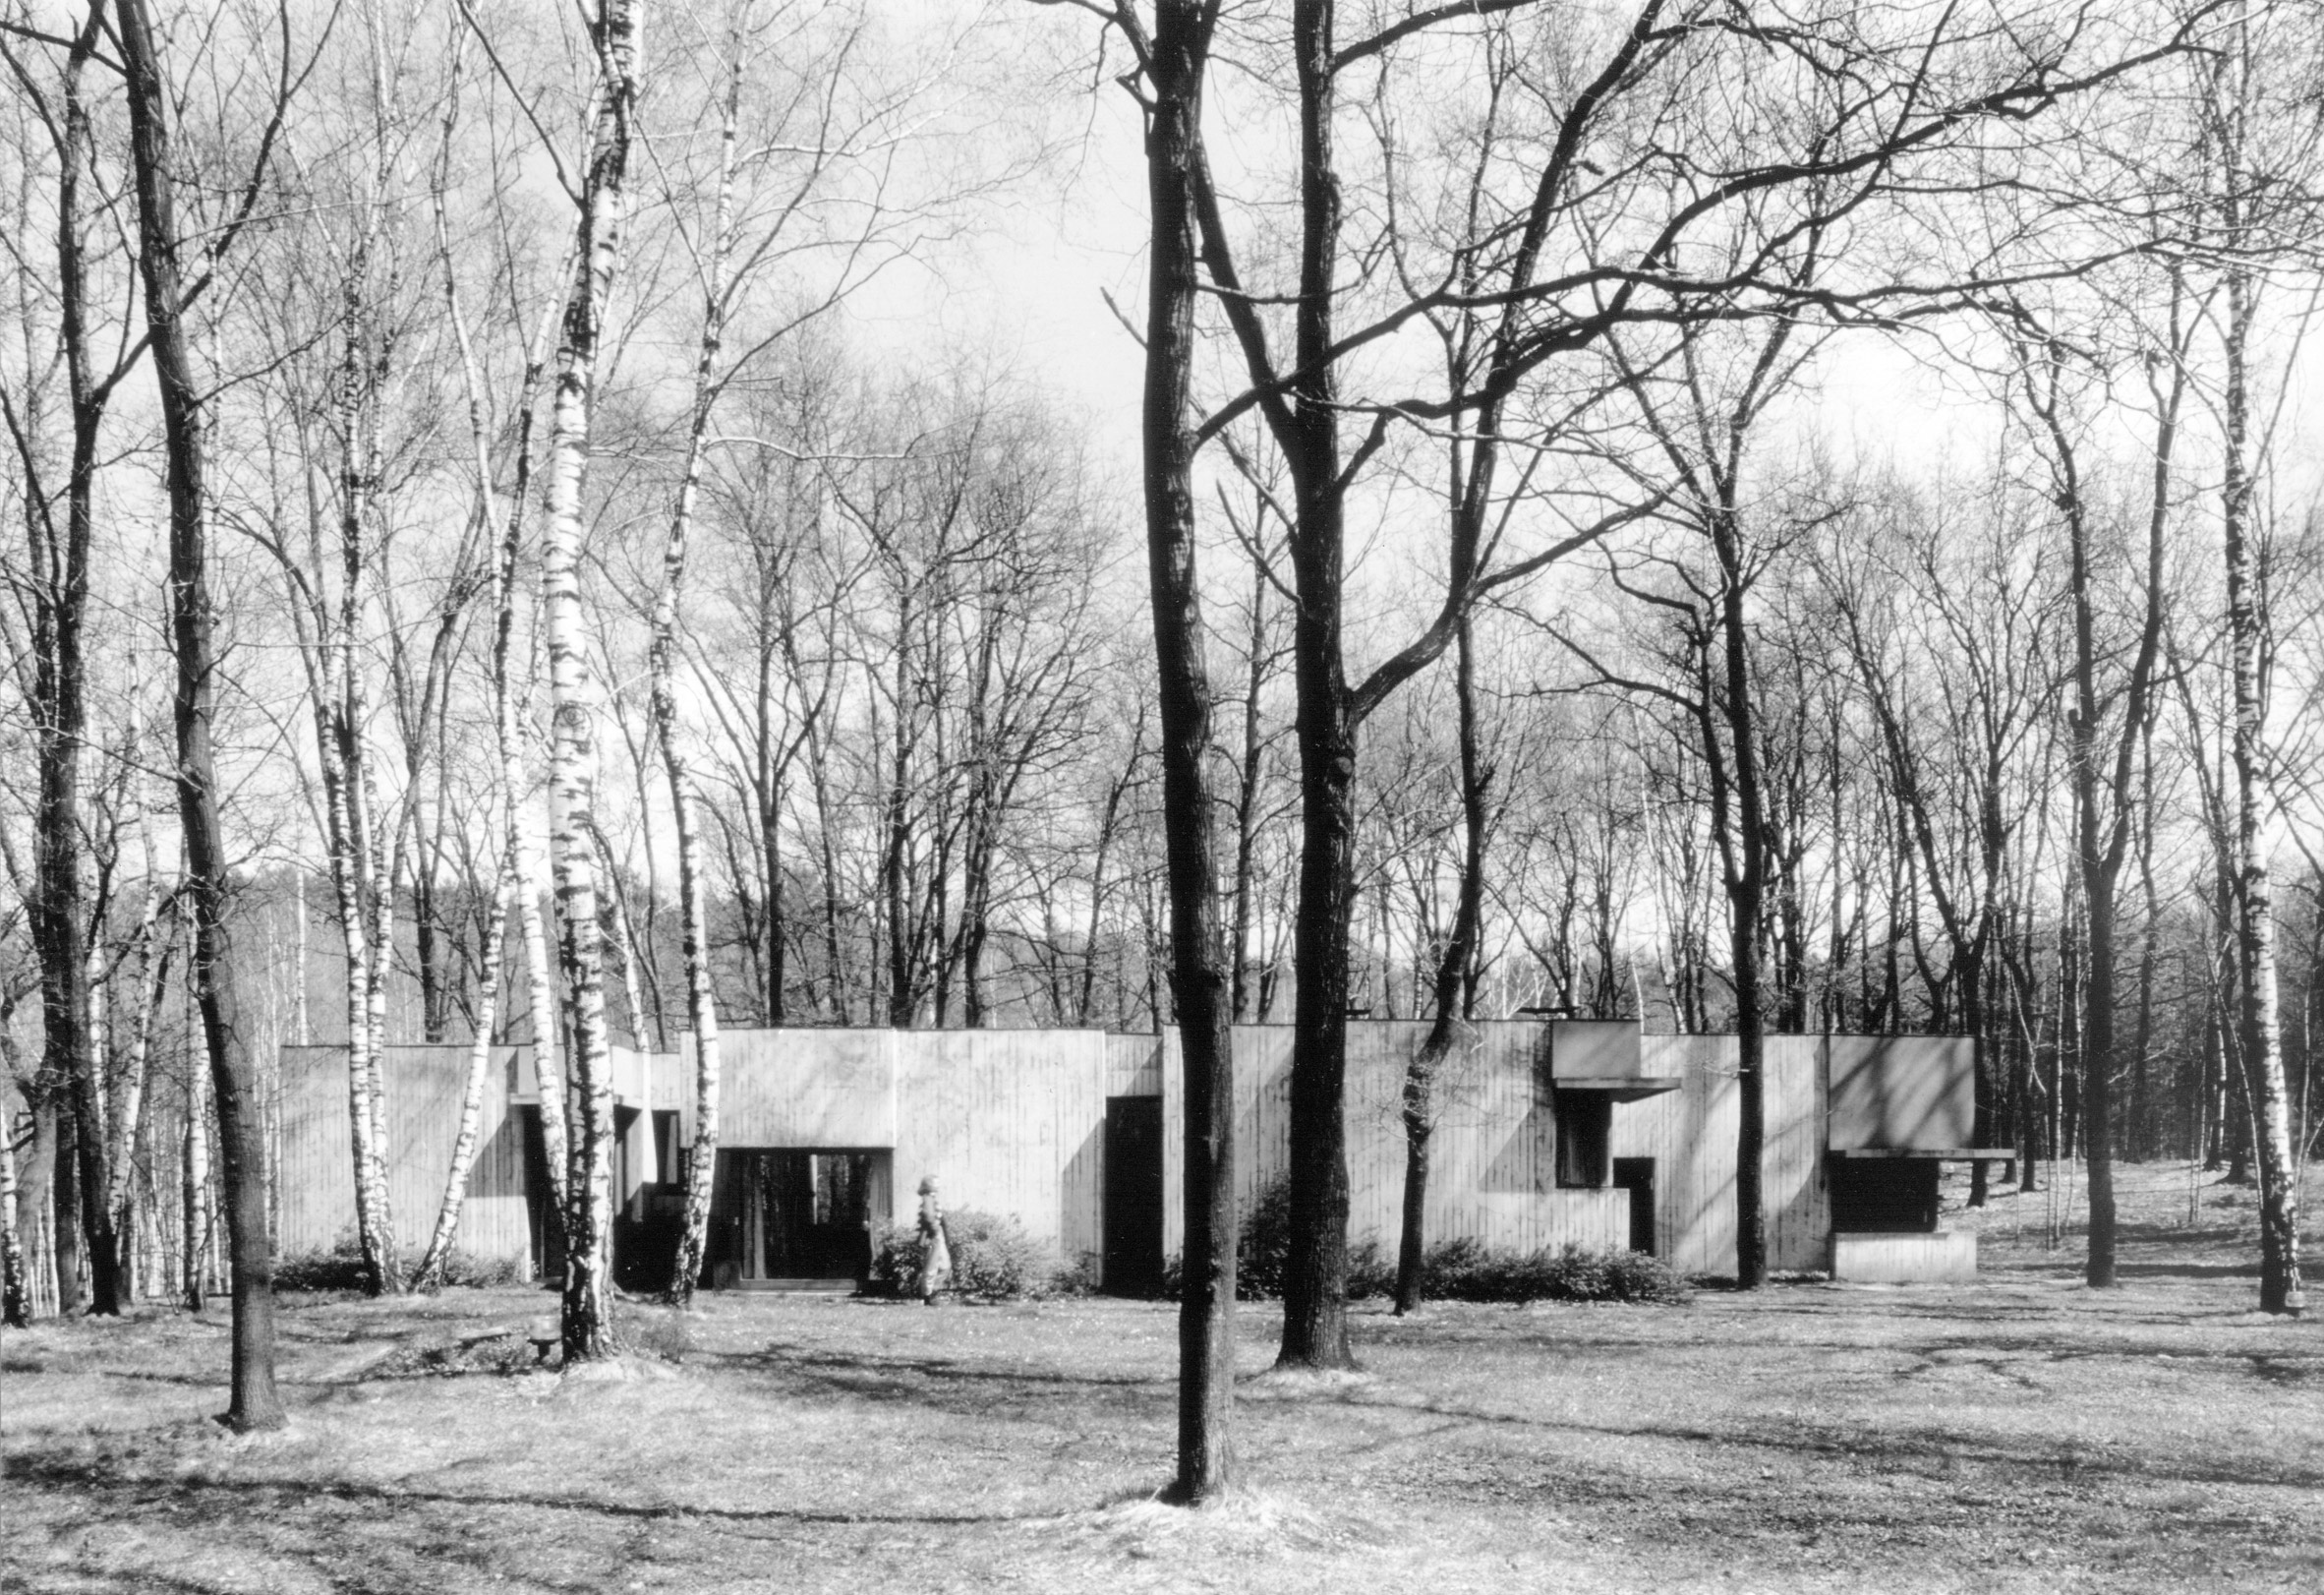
[2021,1434]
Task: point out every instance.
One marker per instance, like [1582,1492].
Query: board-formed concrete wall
[1690,1132]
[422,1087]
[1008,1122]
[1903,1092]
[1492,1157]
[1013,1122]
[801,1088]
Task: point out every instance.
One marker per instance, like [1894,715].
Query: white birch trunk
[508,699]
[340,715]
[15,1295]
[301,1033]
[371,861]
[617,928]
[194,1164]
[575,694]
[152,982]
[480,1066]
[348,842]
[2281,1288]
[386,867]
[701,1003]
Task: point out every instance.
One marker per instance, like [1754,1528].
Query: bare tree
[1174,60]
[2246,208]
[602,201]
[153,153]
[1948,640]
[60,529]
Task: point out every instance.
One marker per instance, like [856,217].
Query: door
[1133,1195]
[1637,1176]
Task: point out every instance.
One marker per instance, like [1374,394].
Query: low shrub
[1466,1270]
[1262,1245]
[1460,1269]
[1262,1250]
[992,1260]
[338,1268]
[468,1269]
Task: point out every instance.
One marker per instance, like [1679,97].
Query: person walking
[936,1251]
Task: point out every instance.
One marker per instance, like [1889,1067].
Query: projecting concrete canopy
[1603,1057]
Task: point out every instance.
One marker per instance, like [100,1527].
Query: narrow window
[1584,1133]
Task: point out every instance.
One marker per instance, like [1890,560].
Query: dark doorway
[1636,1175]
[785,1216]
[547,1230]
[1133,1195]
[648,1227]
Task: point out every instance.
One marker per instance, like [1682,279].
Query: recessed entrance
[1637,1176]
[794,1216]
[1133,1195]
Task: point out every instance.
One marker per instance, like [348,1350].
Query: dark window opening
[1585,1135]
[1884,1194]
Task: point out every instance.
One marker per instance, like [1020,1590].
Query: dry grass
[2024,1434]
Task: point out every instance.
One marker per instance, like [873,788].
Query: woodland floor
[2021,1434]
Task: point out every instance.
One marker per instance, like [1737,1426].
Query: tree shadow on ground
[1931,1451]
[949,1382]
[266,1497]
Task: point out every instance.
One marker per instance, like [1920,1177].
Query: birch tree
[511,676]
[601,199]
[2251,222]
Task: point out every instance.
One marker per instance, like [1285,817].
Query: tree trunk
[1315,1270]
[702,1158]
[2280,1286]
[129,1113]
[508,719]
[193,1195]
[1747,877]
[1248,787]
[16,1285]
[254,1404]
[1452,966]
[1175,60]
[64,1192]
[575,693]
[2143,1143]
[693,907]
[432,1261]
[58,909]
[902,1003]
[2102,780]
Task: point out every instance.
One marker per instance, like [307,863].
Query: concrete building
[1582,1132]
